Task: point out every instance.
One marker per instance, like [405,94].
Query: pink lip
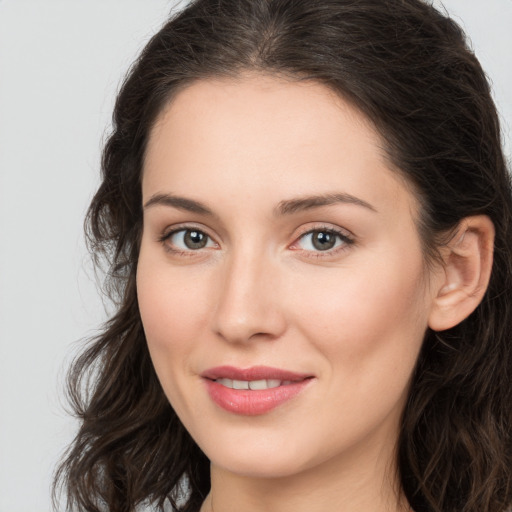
[253,373]
[253,402]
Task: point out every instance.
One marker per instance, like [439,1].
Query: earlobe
[466,273]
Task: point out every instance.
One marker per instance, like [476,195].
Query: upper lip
[252,373]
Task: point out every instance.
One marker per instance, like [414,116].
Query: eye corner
[334,241]
[186,240]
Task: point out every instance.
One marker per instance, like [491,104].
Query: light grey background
[60,66]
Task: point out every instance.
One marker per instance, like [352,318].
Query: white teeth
[240,384]
[258,384]
[253,384]
[226,382]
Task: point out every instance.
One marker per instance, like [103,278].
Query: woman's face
[280,254]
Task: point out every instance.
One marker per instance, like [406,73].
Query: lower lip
[253,403]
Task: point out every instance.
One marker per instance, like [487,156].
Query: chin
[260,466]
[259,454]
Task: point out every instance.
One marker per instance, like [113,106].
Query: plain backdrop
[61,62]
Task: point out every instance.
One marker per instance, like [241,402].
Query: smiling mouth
[253,391]
[255,377]
[254,385]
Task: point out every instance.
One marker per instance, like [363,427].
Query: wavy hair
[408,68]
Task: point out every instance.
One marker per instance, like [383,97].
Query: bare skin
[245,158]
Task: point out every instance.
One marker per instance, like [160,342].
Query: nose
[249,305]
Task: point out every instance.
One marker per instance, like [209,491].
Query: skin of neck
[364,480]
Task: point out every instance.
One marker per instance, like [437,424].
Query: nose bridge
[248,302]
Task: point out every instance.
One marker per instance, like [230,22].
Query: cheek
[369,319]
[173,315]
[172,308]
[368,328]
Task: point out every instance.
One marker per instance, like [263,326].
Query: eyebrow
[286,207]
[181,203]
[291,206]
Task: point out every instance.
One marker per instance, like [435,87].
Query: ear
[465,274]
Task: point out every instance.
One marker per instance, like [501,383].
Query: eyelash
[346,240]
[166,236]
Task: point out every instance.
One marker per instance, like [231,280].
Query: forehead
[269,136]
[298,111]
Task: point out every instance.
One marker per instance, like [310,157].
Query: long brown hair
[408,68]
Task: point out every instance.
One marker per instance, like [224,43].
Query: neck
[355,485]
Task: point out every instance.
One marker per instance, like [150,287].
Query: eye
[187,239]
[323,240]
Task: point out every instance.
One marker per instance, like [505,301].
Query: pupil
[323,240]
[195,239]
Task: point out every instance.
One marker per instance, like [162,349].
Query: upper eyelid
[176,228]
[324,227]
[303,231]
[173,230]
[347,238]
[342,232]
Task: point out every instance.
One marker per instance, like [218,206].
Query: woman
[306,214]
